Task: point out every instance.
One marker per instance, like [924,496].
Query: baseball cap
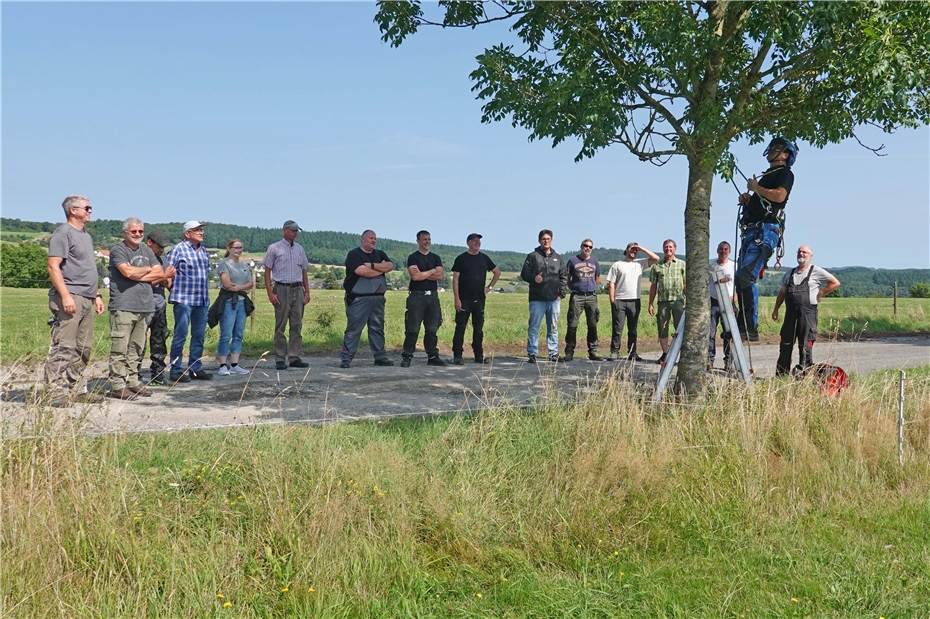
[473,235]
[290,224]
[159,238]
[193,223]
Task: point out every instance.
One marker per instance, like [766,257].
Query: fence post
[895,298]
[901,418]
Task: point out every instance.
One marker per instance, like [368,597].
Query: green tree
[688,78]
[920,290]
[23,265]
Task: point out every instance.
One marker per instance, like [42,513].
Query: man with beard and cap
[191,300]
[801,290]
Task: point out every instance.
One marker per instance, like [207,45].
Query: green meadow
[24,315]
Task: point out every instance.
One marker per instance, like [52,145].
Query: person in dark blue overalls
[801,291]
[762,224]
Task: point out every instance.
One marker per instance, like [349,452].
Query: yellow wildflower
[220,596]
[227,604]
[794,600]
[311,590]
[285,589]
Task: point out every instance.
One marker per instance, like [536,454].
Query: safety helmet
[784,144]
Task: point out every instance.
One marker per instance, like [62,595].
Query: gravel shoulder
[325,393]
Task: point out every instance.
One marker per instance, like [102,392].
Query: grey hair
[130,221]
[71,201]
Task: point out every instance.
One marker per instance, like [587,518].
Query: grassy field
[772,502]
[24,332]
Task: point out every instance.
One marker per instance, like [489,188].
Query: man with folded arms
[133,268]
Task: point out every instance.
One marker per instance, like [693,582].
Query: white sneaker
[238,369]
[223,371]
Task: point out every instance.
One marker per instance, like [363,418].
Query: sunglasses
[587,247]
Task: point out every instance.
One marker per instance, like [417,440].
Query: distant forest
[327,247]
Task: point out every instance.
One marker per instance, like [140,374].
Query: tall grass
[770,501]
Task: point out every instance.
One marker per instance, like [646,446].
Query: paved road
[325,393]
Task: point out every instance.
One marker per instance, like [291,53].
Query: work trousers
[71,340]
[669,310]
[800,326]
[474,309]
[127,345]
[578,304]
[422,309]
[362,312]
[628,310]
[158,341]
[717,318]
[288,313]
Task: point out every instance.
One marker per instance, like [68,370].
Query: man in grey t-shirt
[72,299]
[133,268]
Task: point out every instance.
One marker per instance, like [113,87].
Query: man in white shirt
[721,270]
[623,292]
[801,290]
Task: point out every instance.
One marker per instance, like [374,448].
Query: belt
[289,284]
[425,293]
[584,294]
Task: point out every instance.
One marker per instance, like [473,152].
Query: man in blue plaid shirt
[191,301]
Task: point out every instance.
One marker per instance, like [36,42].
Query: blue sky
[254,114]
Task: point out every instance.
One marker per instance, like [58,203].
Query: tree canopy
[689,78]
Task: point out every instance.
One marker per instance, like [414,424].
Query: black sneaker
[384,362]
[635,358]
[300,363]
[458,361]
[531,358]
[566,359]
[280,365]
[179,378]
[345,365]
[753,336]
[405,362]
[157,380]
[482,360]
[200,375]
[593,356]
[436,361]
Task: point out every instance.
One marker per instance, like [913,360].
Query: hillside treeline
[328,247]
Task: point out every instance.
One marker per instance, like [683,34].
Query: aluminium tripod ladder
[740,358]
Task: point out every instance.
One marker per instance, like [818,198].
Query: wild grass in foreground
[767,502]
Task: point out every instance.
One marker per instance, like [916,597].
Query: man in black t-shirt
[365,286]
[763,226]
[425,269]
[469,274]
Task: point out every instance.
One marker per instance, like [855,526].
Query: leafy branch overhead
[667,78]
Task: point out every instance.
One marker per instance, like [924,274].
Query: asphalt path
[325,393]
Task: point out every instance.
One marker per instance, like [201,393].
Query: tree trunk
[692,365]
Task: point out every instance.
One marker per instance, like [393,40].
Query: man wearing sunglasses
[583,279]
[73,299]
[133,270]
